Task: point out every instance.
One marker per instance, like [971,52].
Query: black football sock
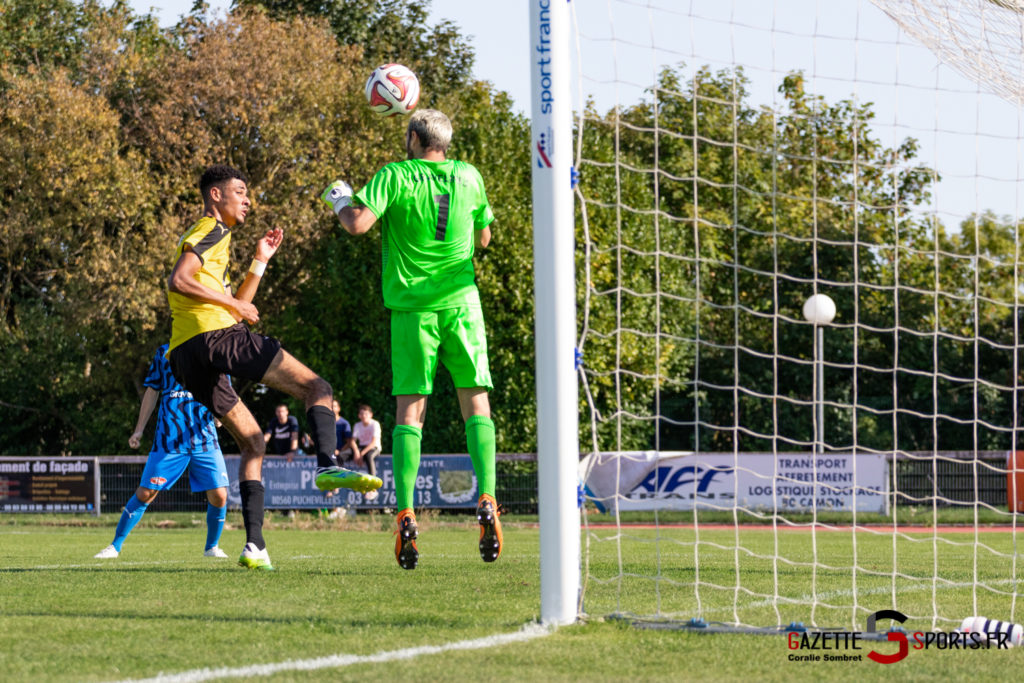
[252,512]
[325,438]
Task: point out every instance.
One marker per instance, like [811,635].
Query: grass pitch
[163,608]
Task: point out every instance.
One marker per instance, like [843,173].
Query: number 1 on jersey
[442,215]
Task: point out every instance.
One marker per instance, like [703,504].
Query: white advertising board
[798,482]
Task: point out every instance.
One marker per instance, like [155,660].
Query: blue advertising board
[444,481]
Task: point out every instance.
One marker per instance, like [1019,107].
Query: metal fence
[952,478]
[948,479]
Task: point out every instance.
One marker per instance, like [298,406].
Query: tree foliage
[710,223]
[103,152]
[390,31]
[71,289]
[705,222]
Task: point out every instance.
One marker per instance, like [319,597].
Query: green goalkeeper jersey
[429,213]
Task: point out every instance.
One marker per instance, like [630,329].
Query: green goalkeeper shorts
[454,336]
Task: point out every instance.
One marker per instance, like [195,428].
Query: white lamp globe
[820,309]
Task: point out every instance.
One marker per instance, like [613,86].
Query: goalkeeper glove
[338,195]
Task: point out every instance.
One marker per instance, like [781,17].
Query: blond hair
[432,128]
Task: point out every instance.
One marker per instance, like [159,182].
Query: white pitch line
[528,632]
[97,563]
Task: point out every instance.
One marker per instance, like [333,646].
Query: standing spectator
[186,436]
[367,437]
[282,433]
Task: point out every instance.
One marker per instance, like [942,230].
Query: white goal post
[555,305]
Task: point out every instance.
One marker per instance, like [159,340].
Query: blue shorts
[205,470]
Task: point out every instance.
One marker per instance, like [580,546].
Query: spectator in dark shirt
[347,447]
[282,434]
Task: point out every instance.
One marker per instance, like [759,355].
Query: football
[392,89]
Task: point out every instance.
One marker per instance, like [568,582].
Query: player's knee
[318,388]
[145,495]
[218,497]
[253,446]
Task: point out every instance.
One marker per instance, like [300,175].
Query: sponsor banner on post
[799,482]
[48,485]
[444,481]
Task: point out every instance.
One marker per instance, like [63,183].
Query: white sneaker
[107,553]
[252,558]
[338,513]
[370,496]
[215,552]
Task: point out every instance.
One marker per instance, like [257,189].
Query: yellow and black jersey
[210,240]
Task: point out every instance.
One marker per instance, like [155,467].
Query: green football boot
[330,478]
[253,558]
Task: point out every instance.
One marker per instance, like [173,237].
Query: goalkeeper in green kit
[434,214]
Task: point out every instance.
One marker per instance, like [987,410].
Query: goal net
[752,457]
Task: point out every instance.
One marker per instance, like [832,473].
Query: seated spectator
[347,447]
[366,433]
[282,434]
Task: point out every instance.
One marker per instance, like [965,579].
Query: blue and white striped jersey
[183,425]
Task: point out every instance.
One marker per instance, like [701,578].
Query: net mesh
[746,464]
[979,38]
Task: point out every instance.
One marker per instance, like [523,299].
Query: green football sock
[480,442]
[405,444]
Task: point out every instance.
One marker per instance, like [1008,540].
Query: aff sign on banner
[48,485]
[444,481]
[799,482]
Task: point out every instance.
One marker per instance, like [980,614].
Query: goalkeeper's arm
[355,219]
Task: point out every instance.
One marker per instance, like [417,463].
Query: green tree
[958,308]
[704,222]
[43,34]
[102,185]
[69,292]
[103,156]
[390,31]
[708,220]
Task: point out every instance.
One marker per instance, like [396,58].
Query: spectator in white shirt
[366,433]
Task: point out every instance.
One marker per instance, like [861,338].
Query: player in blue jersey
[185,436]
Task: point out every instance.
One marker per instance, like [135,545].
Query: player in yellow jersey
[210,340]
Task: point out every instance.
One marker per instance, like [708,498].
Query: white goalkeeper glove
[338,195]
